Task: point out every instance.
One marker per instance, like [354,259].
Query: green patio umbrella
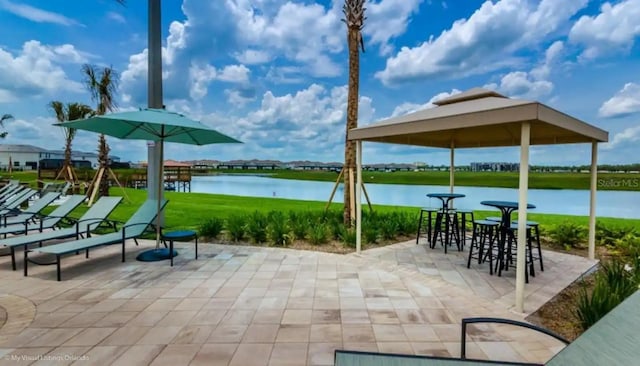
[156,125]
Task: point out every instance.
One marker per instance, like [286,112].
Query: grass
[607,181]
[190,210]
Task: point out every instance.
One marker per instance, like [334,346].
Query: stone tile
[227,333]
[164,304]
[139,355]
[84,320]
[447,332]
[268,317]
[55,337]
[383,317]
[364,347]
[420,333]
[289,354]
[176,318]
[208,317]
[326,303]
[135,305]
[148,318]
[238,317]
[437,349]
[296,316]
[176,354]
[395,347]
[293,333]
[90,337]
[322,353]
[325,333]
[214,354]
[325,316]
[101,355]
[193,334]
[160,335]
[389,333]
[354,317]
[357,334]
[252,354]
[261,333]
[125,336]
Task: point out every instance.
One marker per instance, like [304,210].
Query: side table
[181,235]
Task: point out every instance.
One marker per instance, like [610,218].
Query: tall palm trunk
[70,112]
[354,18]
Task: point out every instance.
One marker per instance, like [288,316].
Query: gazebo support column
[358,195]
[592,201]
[452,167]
[522,214]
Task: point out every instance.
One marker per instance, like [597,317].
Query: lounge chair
[13,184]
[16,227]
[133,228]
[11,205]
[96,215]
[11,192]
[23,217]
[613,340]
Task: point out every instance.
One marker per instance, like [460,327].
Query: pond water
[623,204]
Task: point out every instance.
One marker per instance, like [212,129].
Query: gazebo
[483,118]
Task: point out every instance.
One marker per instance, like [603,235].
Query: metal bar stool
[447,229]
[484,232]
[429,224]
[535,226]
[464,213]
[507,254]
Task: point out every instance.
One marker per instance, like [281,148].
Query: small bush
[299,224]
[370,235]
[211,228]
[336,226]
[628,246]
[236,227]
[389,228]
[608,234]
[348,237]
[318,234]
[257,227]
[568,235]
[278,230]
[613,283]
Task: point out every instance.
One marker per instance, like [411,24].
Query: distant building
[28,157]
[495,167]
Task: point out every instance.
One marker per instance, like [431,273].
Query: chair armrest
[465,321]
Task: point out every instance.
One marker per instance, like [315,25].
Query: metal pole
[154,155]
[452,167]
[592,201]
[358,195]
[522,215]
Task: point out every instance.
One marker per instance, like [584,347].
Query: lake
[623,204]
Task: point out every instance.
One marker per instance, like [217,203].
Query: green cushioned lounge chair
[32,211]
[17,227]
[10,206]
[132,229]
[95,216]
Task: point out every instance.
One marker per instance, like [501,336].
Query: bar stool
[429,225]
[447,229]
[484,232]
[536,237]
[464,213]
[511,244]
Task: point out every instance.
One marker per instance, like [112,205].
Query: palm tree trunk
[352,122]
[103,161]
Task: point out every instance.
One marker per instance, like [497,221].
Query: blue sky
[273,73]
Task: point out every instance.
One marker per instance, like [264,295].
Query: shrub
[608,234]
[389,228]
[568,235]
[348,237]
[278,229]
[628,246]
[318,234]
[613,283]
[299,224]
[236,227]
[370,234]
[336,227]
[257,227]
[211,228]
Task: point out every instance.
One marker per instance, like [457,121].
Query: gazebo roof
[480,118]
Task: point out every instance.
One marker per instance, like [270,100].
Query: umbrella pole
[159,191]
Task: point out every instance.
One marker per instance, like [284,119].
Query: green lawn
[189,210]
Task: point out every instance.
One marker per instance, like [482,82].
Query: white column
[592,201]
[452,167]
[522,215]
[358,195]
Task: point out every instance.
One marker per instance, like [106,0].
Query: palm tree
[69,112]
[3,119]
[103,86]
[354,18]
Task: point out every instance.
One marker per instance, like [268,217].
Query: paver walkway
[246,306]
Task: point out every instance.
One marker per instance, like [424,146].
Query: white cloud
[624,103]
[612,31]
[630,136]
[116,17]
[37,69]
[234,74]
[36,14]
[406,108]
[387,19]
[484,42]
[236,98]
[253,57]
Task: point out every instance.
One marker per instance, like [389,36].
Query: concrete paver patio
[240,305]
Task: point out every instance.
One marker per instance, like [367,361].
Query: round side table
[181,235]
